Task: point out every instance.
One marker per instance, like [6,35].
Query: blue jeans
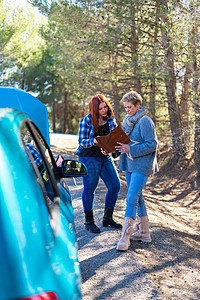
[134,202]
[104,168]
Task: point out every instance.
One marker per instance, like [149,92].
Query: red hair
[94,109]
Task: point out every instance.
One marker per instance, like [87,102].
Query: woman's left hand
[95,142]
[123,148]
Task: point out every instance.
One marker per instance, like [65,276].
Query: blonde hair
[132,97]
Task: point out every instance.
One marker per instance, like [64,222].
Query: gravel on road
[167,268]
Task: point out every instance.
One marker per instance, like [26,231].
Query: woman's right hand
[104,152]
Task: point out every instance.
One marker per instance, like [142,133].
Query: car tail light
[42,296]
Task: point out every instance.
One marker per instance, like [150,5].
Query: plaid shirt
[86,132]
[35,154]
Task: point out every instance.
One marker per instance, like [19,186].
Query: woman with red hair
[99,122]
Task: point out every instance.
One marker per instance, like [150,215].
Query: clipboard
[108,142]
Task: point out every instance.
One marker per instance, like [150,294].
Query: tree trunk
[134,51]
[170,83]
[53,117]
[112,59]
[23,81]
[64,111]
[196,100]
[67,115]
[184,104]
[116,102]
[153,79]
[115,93]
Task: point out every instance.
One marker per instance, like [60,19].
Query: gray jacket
[143,146]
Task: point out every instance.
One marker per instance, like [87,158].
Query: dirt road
[168,268]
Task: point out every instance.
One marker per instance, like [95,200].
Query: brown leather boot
[143,233]
[127,230]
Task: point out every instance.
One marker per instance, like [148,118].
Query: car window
[40,159]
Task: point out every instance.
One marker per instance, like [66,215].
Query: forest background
[64,52]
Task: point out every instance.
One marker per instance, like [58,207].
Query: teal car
[38,251]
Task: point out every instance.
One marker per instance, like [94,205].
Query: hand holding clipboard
[110,141]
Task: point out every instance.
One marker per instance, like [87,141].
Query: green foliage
[22,47]
[83,47]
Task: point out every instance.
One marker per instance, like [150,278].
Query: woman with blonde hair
[99,122]
[138,161]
